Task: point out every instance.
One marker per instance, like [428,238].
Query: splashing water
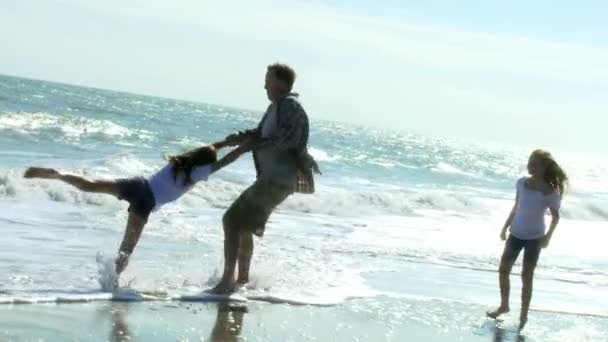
[106,270]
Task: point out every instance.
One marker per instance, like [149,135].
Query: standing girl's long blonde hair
[554,174]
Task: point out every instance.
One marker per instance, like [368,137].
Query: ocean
[400,241]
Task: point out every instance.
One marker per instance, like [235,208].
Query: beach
[380,319]
[399,243]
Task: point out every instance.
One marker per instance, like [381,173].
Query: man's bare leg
[244,257]
[97,186]
[505,287]
[231,250]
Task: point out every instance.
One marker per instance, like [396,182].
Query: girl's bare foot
[40,172]
[495,313]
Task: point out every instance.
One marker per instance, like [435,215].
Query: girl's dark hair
[554,174]
[186,161]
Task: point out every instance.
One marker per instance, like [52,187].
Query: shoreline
[370,319]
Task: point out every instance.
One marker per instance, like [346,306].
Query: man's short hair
[283,72]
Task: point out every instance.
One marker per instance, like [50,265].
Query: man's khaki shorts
[253,207]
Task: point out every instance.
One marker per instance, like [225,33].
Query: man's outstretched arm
[231,156]
[240,137]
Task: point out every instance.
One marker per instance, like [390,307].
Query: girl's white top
[529,219]
[166,189]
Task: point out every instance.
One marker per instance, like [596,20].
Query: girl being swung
[146,195]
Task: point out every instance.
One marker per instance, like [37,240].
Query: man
[283,166]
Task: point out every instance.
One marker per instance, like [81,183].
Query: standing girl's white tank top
[529,218]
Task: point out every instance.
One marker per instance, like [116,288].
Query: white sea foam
[447,168]
[321,155]
[72,127]
[221,190]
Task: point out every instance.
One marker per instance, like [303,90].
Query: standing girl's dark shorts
[137,192]
[531,248]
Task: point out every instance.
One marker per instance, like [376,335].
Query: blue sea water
[396,219]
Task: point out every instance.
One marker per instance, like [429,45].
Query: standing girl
[535,194]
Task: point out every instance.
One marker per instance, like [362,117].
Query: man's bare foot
[242,280]
[523,319]
[495,313]
[241,285]
[40,172]
[224,287]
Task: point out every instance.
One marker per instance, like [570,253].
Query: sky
[517,72]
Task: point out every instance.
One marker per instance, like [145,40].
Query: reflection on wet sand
[501,334]
[228,323]
[119,331]
[227,327]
